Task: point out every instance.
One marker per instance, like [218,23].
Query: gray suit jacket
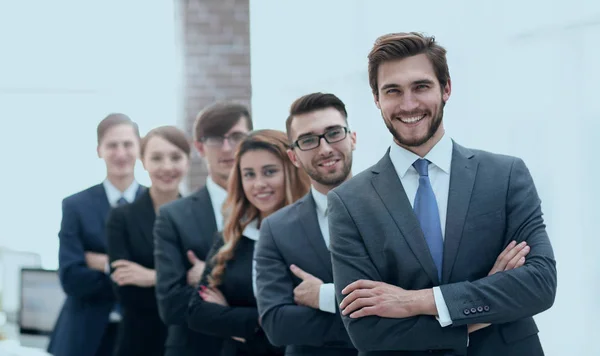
[492,200]
[292,236]
[184,224]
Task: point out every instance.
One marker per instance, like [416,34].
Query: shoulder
[286,216]
[176,206]
[84,196]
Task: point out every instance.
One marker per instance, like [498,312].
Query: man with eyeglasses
[293,276]
[184,229]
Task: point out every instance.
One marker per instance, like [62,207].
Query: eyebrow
[310,133]
[416,82]
[269,166]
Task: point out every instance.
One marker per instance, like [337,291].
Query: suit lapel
[390,190]
[144,211]
[307,216]
[204,216]
[462,178]
[101,202]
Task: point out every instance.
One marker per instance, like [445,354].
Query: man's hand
[96,261]
[212,295]
[512,257]
[307,292]
[365,297]
[131,273]
[194,274]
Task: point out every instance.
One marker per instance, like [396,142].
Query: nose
[227,146]
[325,148]
[409,102]
[260,183]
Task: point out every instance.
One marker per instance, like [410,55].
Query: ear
[200,147]
[98,151]
[376,100]
[353,140]
[292,156]
[447,90]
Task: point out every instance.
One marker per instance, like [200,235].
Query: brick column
[216,52]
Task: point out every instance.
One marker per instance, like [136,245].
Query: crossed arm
[383,317]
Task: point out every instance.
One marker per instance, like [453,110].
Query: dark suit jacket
[492,200]
[129,235]
[185,224]
[292,236]
[240,318]
[89,292]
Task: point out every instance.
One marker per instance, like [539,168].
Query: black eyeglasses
[217,141]
[310,142]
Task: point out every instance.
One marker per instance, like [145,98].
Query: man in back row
[184,229]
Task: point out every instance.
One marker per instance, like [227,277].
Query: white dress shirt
[217,197]
[114,194]
[440,157]
[327,292]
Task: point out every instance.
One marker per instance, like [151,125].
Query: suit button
[467,311]
[486,308]
[473,310]
[479,309]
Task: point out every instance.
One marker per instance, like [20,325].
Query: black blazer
[240,318]
[292,236]
[129,236]
[185,224]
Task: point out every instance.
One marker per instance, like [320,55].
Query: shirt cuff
[107,268]
[443,316]
[327,298]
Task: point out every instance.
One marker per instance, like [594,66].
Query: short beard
[433,127]
[329,180]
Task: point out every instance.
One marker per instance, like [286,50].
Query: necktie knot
[422,167]
[122,201]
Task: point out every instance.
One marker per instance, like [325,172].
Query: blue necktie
[122,201]
[427,212]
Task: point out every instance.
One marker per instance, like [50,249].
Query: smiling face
[263,180]
[119,149]
[329,164]
[412,102]
[166,164]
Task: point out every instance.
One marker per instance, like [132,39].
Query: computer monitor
[42,298]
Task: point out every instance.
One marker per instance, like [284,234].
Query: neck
[121,183]
[160,198]
[220,181]
[323,188]
[423,150]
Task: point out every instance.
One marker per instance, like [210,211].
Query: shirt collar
[216,192]
[440,155]
[320,200]
[113,194]
[251,230]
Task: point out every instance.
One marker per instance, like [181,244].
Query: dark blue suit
[85,315]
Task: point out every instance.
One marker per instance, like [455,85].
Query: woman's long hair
[238,210]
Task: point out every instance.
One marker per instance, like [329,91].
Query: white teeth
[328,163]
[263,195]
[410,120]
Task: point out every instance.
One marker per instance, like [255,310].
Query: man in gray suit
[294,281]
[414,238]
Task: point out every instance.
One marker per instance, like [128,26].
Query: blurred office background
[525,82]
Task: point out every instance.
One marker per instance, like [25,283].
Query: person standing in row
[263,180]
[294,281]
[165,155]
[87,324]
[185,228]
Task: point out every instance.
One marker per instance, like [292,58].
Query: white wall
[525,82]
[64,66]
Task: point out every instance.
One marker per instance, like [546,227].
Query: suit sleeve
[352,262]
[172,291]
[119,248]
[521,292]
[77,279]
[214,319]
[275,296]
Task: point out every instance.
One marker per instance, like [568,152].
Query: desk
[21,345]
